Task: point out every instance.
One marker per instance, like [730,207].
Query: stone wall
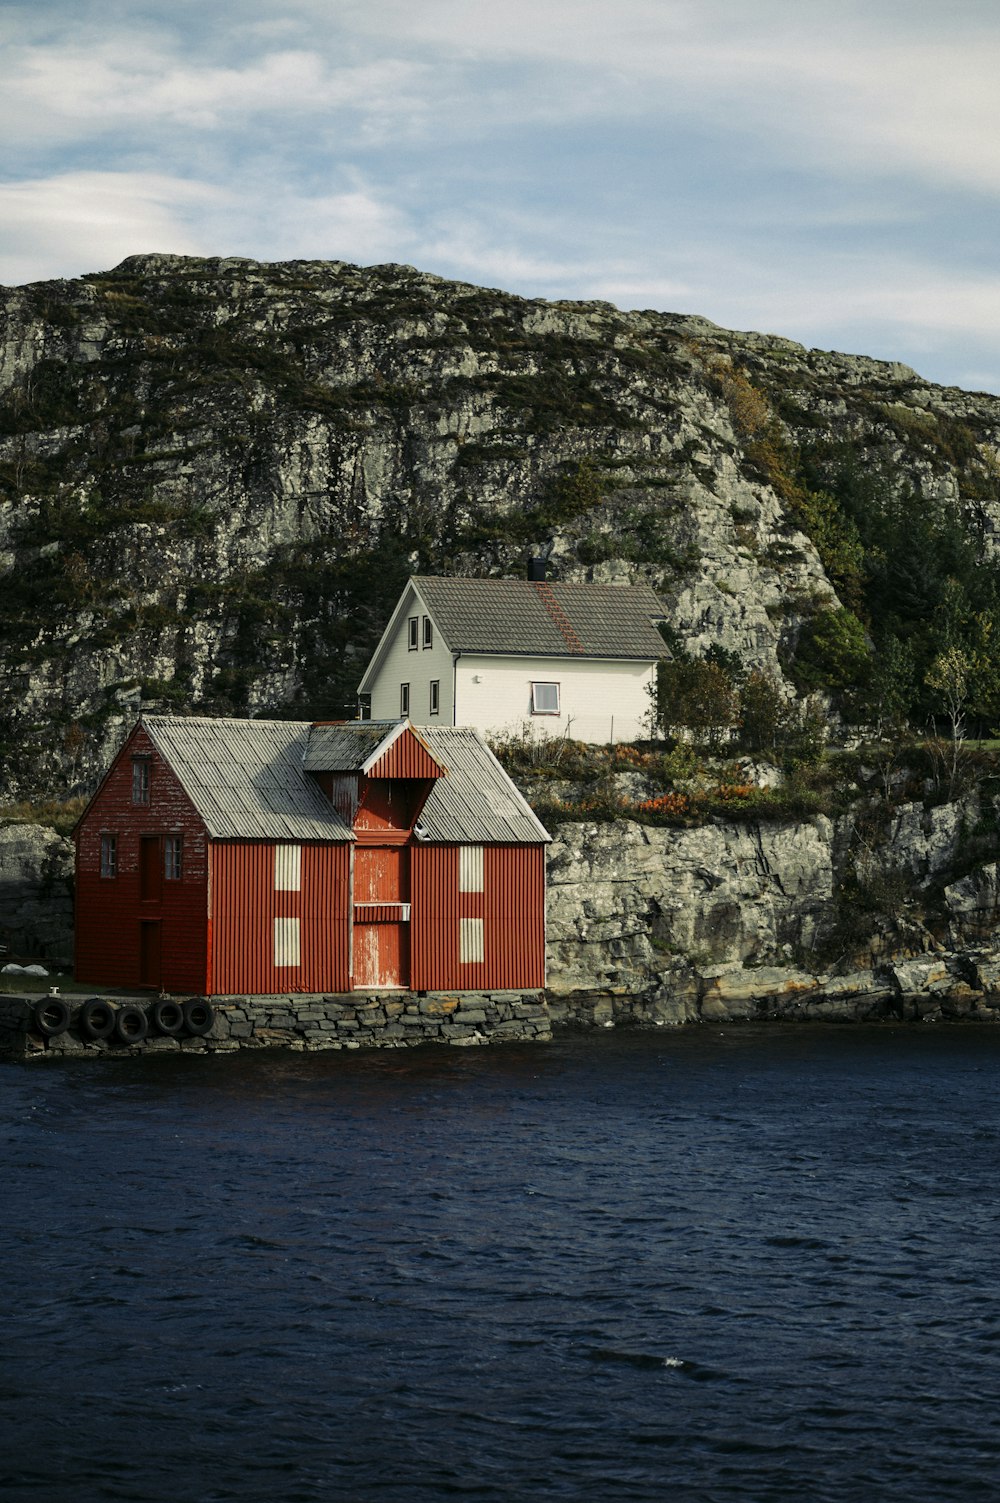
[311,1023]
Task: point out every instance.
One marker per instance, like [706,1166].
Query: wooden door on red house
[150,870]
[381,917]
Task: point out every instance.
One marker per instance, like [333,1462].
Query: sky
[828,170]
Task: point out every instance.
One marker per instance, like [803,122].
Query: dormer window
[428,632]
[412,633]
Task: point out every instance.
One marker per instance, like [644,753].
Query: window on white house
[428,632]
[412,630]
[435,705]
[404,699]
[140,780]
[173,856]
[545,699]
[109,855]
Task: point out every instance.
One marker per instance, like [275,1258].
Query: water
[753,1264]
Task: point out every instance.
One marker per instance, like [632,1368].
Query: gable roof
[476,801]
[552,619]
[368,746]
[250,779]
[517,617]
[245,777]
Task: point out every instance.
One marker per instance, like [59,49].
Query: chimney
[536,570]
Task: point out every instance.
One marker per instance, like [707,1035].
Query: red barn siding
[245,906]
[512,906]
[514,911]
[407,757]
[111,912]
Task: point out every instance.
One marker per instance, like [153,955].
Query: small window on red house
[428,632]
[412,627]
[173,856]
[109,855]
[140,780]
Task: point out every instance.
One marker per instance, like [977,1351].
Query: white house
[507,655]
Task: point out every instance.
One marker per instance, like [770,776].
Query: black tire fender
[199,1016]
[51,1016]
[131,1024]
[97,1019]
[168,1017]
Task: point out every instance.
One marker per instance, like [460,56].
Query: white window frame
[109,856]
[173,858]
[404,701]
[536,706]
[434,706]
[428,632]
[412,633]
[141,780]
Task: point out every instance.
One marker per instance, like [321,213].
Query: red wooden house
[234,856]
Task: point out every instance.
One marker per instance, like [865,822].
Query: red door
[381,917]
[150,869]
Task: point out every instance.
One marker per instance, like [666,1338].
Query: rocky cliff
[214,475]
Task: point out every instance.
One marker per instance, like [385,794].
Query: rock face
[215,474]
[36,893]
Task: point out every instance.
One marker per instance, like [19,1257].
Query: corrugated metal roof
[545,620]
[345,747]
[476,801]
[246,778]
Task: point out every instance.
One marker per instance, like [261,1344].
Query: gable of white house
[402,681]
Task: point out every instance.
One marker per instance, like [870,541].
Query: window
[140,780]
[411,633]
[545,699]
[435,696]
[173,848]
[109,855]
[428,632]
[404,699]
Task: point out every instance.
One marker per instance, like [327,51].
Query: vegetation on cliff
[215,475]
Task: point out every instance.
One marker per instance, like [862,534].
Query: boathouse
[225,856]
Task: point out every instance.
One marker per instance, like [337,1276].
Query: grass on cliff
[54,814]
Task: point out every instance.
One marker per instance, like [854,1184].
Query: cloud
[85,221]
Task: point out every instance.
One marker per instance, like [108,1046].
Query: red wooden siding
[245,906]
[514,911]
[128,934]
[511,905]
[407,757]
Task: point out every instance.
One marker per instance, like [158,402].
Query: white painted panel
[470,868]
[471,947]
[288,868]
[286,942]
[599,701]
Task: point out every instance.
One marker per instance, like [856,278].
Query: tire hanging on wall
[97,1019]
[168,1017]
[131,1024]
[51,1016]
[199,1016]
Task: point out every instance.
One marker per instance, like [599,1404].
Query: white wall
[599,701]
[418,668]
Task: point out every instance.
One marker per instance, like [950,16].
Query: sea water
[746,1263]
